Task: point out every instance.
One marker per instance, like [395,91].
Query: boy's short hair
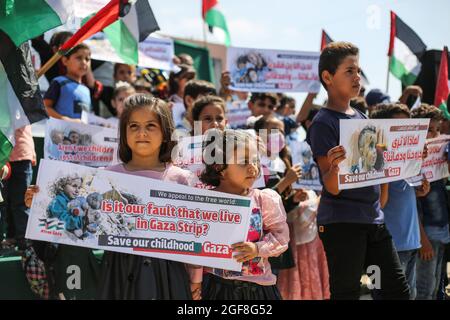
[286,100]
[58,38]
[195,88]
[263,96]
[75,49]
[388,110]
[118,65]
[427,111]
[332,56]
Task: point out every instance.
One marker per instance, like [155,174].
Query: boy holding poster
[433,213]
[351,223]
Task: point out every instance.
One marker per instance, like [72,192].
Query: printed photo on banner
[262,70]
[89,145]
[101,209]
[302,154]
[435,165]
[380,150]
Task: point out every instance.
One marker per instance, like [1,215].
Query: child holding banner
[351,223]
[433,213]
[67,97]
[145,148]
[233,171]
[400,211]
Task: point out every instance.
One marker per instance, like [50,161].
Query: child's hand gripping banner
[261,70]
[101,209]
[380,150]
[89,145]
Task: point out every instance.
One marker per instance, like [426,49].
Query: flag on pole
[213,17]
[107,15]
[405,51]
[23,20]
[442,89]
[326,39]
[134,27]
[20,98]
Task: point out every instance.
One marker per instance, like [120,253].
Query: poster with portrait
[435,165]
[380,150]
[89,145]
[302,154]
[262,70]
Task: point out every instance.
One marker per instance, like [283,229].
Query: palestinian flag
[405,51]
[442,90]
[136,24]
[20,99]
[213,17]
[326,39]
[26,19]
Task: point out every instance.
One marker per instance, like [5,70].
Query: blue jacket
[58,209]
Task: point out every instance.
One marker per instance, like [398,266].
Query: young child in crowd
[351,223]
[122,91]
[400,211]
[145,148]
[433,213]
[67,97]
[268,236]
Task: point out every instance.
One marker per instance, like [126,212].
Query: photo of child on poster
[79,212]
[79,143]
[367,154]
[302,154]
[250,68]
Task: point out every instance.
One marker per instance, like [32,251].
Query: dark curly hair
[222,145]
[388,110]
[427,111]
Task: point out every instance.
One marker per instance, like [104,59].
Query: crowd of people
[302,244]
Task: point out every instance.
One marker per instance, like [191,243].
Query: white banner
[100,209]
[435,165]
[154,53]
[84,8]
[237,114]
[94,120]
[261,70]
[89,145]
[380,150]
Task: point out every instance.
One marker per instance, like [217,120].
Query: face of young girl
[72,189]
[78,63]
[144,134]
[212,117]
[117,102]
[242,169]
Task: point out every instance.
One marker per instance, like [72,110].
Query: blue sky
[297,25]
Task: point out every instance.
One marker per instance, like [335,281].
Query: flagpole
[49,64]
[204,34]
[387,78]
